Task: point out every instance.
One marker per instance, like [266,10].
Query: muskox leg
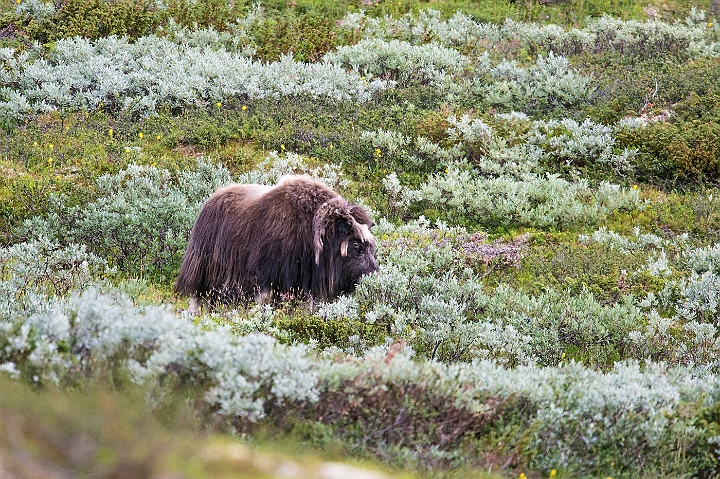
[263,296]
[194,306]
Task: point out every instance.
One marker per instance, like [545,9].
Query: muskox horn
[362,231]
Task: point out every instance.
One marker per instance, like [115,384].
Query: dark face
[359,260]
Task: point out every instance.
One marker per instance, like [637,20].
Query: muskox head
[298,237]
[343,245]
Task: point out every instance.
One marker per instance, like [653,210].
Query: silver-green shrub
[551,81]
[400,61]
[572,143]
[92,333]
[501,184]
[701,297]
[141,219]
[153,72]
[572,415]
[43,265]
[704,259]
[427,295]
[276,165]
[37,9]
[639,241]
[538,200]
[694,37]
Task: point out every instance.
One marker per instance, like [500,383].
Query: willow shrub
[140,221]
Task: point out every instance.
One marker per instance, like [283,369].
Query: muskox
[297,239]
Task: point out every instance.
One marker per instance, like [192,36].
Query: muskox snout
[355,268]
[372,265]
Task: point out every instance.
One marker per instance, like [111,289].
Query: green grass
[63,154]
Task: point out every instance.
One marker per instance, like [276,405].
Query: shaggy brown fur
[299,238]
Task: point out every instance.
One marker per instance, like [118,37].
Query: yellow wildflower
[244,108]
[553,473]
[110,132]
[140,135]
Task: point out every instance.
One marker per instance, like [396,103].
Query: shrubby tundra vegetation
[544,180]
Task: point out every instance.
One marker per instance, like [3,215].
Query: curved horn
[362,230]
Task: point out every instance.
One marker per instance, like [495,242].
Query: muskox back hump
[237,195]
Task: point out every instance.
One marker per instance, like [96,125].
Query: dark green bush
[95,19]
[699,106]
[628,87]
[23,197]
[330,332]
[670,154]
[207,13]
[695,212]
[307,37]
[703,454]
[211,134]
